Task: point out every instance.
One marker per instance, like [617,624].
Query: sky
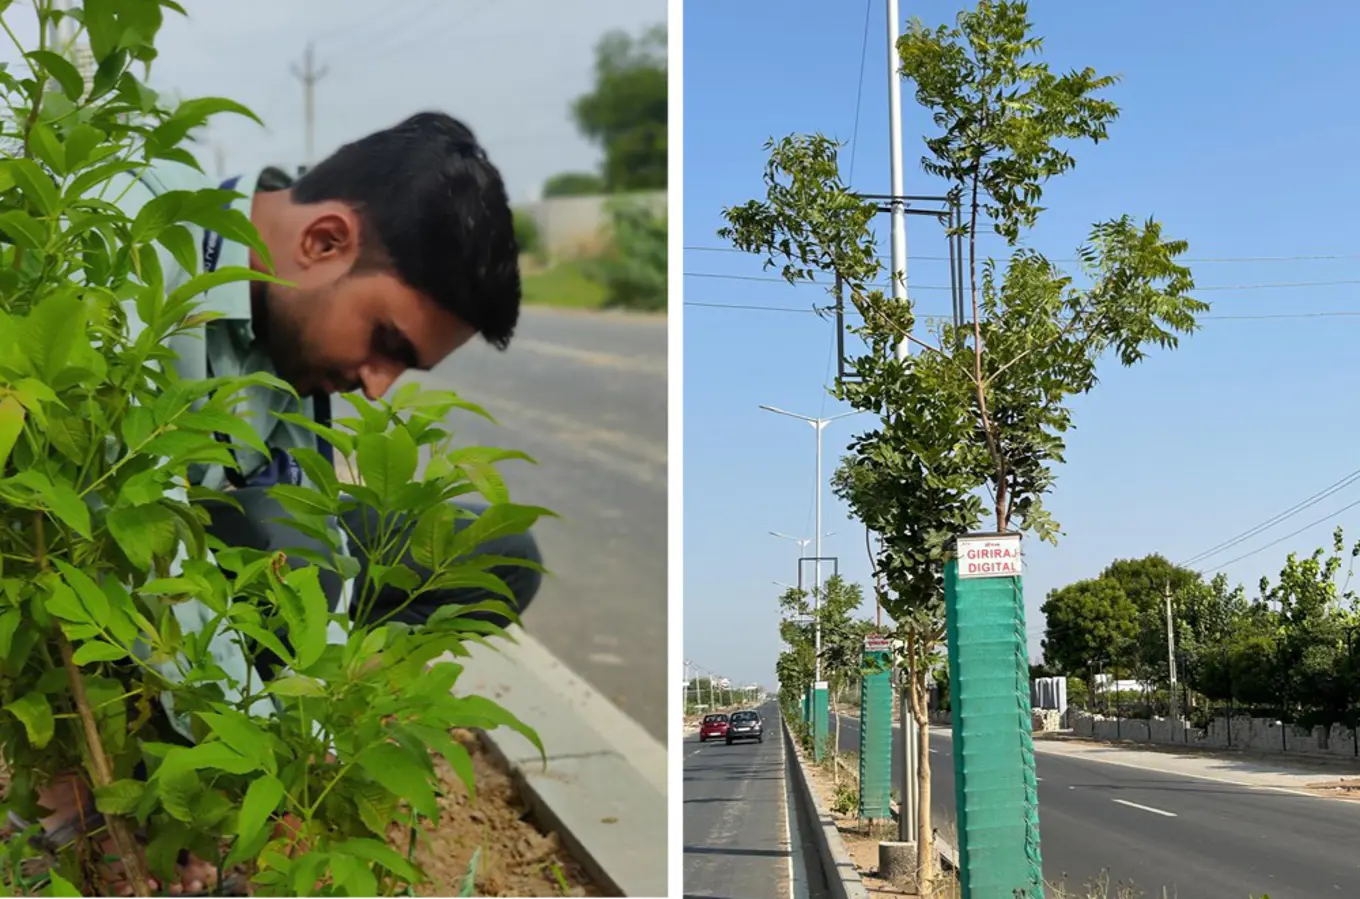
[1234,136]
[509,69]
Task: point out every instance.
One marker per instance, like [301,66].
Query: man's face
[338,331]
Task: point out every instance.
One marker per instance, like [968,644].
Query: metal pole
[899,217]
[817,565]
[1170,654]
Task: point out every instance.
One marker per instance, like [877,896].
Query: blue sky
[1236,137]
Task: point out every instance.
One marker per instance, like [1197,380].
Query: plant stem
[102,768]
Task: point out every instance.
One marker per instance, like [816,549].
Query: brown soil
[1345,788]
[517,858]
[861,838]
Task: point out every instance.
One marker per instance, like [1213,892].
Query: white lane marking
[798,888]
[1146,808]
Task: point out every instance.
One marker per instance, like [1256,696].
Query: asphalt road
[1197,839]
[585,396]
[739,840]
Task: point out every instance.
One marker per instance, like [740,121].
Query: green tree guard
[994,780]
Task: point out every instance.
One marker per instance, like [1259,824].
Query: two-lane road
[740,840]
[1155,830]
[585,396]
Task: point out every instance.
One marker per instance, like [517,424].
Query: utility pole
[1170,653]
[309,75]
[899,214]
[906,820]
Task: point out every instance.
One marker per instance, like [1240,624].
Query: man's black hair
[434,212]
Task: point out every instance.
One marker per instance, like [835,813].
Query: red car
[713,726]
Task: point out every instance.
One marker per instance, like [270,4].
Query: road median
[843,879]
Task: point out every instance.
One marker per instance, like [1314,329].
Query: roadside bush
[574,184]
[633,269]
[527,234]
[112,595]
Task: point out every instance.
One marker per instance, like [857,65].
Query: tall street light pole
[819,424]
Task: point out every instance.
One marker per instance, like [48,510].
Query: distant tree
[574,184]
[1090,625]
[627,111]
[1145,582]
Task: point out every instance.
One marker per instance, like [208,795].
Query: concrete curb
[842,878]
[604,785]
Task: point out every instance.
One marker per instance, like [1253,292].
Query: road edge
[842,877]
[603,786]
[630,316]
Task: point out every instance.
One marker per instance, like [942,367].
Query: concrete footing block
[897,862]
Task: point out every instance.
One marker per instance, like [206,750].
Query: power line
[808,310]
[1312,524]
[1212,288]
[1276,519]
[1334,257]
[859,92]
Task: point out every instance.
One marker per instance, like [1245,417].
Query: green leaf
[67,505]
[36,184]
[50,333]
[143,531]
[60,886]
[353,876]
[81,141]
[61,69]
[63,603]
[34,712]
[10,619]
[213,421]
[205,281]
[242,735]
[12,416]
[396,770]
[261,800]
[233,225]
[499,520]
[23,229]
[214,755]
[177,790]
[382,854]
[98,651]
[456,754]
[120,797]
[45,144]
[303,501]
[432,535]
[94,600]
[180,243]
[295,686]
[387,462]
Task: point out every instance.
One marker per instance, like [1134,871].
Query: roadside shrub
[527,234]
[112,592]
[633,269]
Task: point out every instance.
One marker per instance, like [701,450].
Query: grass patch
[564,285]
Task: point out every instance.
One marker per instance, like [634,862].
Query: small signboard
[877,643]
[989,556]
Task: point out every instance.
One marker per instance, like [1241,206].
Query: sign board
[877,643]
[991,556]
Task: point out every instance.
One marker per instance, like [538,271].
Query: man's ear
[332,234]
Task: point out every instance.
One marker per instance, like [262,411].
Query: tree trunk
[835,742]
[916,700]
[100,767]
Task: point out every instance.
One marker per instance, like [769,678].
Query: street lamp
[818,424]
